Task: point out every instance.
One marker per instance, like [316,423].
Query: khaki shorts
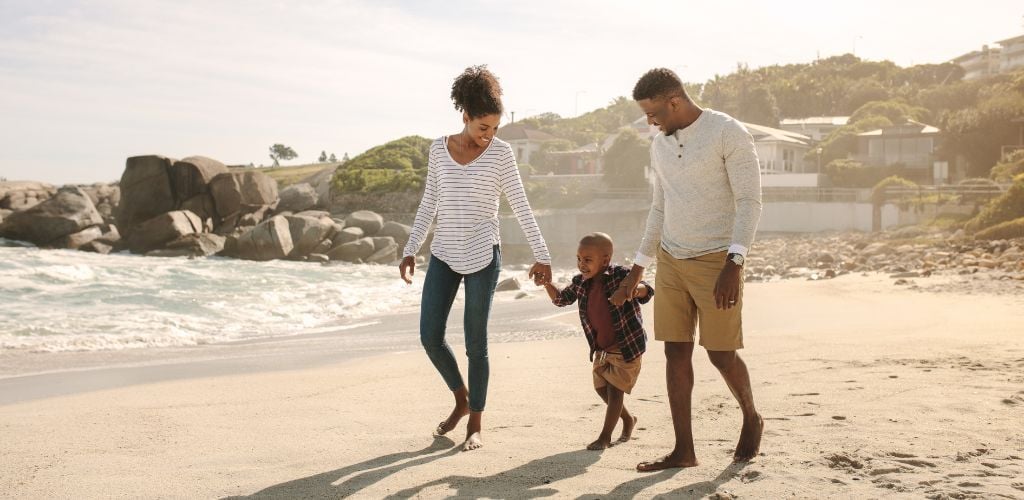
[686,298]
[612,368]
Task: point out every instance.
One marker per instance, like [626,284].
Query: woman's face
[481,129]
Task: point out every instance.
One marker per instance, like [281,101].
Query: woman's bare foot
[601,443]
[750,440]
[670,461]
[473,442]
[461,410]
[473,438]
[627,429]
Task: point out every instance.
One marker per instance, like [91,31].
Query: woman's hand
[540,273]
[408,263]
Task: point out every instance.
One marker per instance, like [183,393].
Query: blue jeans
[439,290]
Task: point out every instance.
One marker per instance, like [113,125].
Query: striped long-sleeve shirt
[464,199]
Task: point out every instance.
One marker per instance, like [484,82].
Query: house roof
[923,129]
[520,132]
[817,120]
[762,133]
[1013,40]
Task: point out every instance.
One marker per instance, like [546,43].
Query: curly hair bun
[477,92]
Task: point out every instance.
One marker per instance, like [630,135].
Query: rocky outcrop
[297,197]
[271,239]
[22,195]
[369,222]
[238,194]
[145,191]
[158,231]
[49,222]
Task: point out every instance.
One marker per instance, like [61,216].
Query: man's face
[659,113]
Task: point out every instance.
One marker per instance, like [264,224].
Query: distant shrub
[1010,167]
[1007,207]
[878,195]
[1003,231]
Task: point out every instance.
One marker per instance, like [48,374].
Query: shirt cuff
[737,248]
[643,260]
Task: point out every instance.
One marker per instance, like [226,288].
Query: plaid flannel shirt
[629,326]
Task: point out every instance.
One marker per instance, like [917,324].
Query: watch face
[737,259]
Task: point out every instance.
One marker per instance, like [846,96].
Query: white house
[524,140]
[979,63]
[815,127]
[1011,57]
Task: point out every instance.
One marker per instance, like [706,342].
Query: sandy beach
[868,390]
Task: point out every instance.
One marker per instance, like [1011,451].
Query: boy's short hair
[598,240]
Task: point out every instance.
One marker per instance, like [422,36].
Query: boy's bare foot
[670,461]
[627,430]
[600,444]
[473,442]
[750,440]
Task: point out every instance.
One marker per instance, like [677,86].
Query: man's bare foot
[453,420]
[473,442]
[600,444]
[670,461]
[627,430]
[750,440]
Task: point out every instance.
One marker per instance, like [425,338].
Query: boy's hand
[408,263]
[540,274]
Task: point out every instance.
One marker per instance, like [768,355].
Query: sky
[85,84]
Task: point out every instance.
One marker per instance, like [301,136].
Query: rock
[271,239]
[400,232]
[157,232]
[369,222]
[307,233]
[902,282]
[242,192]
[297,197]
[347,235]
[381,242]
[321,182]
[318,257]
[908,274]
[508,284]
[76,240]
[353,250]
[385,254]
[191,176]
[315,213]
[196,245]
[22,195]
[145,191]
[323,247]
[201,205]
[66,213]
[96,246]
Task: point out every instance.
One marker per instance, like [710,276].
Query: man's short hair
[658,83]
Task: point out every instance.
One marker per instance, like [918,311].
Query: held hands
[408,264]
[540,274]
[727,288]
[627,290]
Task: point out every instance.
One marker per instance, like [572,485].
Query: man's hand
[727,288]
[408,263]
[627,289]
[540,274]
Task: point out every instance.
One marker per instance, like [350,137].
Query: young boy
[615,334]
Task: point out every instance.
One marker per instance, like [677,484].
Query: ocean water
[62,300]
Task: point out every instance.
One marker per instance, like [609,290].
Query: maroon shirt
[599,314]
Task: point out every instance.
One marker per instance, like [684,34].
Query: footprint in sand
[1017,486]
[750,476]
[901,455]
[1014,400]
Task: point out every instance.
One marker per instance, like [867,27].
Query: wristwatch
[736,258]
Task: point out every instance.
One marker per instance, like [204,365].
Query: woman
[467,173]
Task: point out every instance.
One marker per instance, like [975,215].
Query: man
[707,202]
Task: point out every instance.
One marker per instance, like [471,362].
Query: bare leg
[736,376]
[614,398]
[679,381]
[473,438]
[461,410]
[628,420]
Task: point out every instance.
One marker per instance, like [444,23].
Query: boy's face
[591,260]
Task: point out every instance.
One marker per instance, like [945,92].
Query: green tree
[625,160]
[333,159]
[543,161]
[280,152]
[323,157]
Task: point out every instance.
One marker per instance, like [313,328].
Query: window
[787,160]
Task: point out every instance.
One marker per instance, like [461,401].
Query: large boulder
[66,213]
[22,195]
[385,250]
[347,235]
[307,233]
[242,192]
[297,197]
[201,205]
[321,182]
[369,222]
[400,232]
[160,230]
[77,240]
[271,239]
[359,250]
[191,245]
[145,191]
[191,176]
